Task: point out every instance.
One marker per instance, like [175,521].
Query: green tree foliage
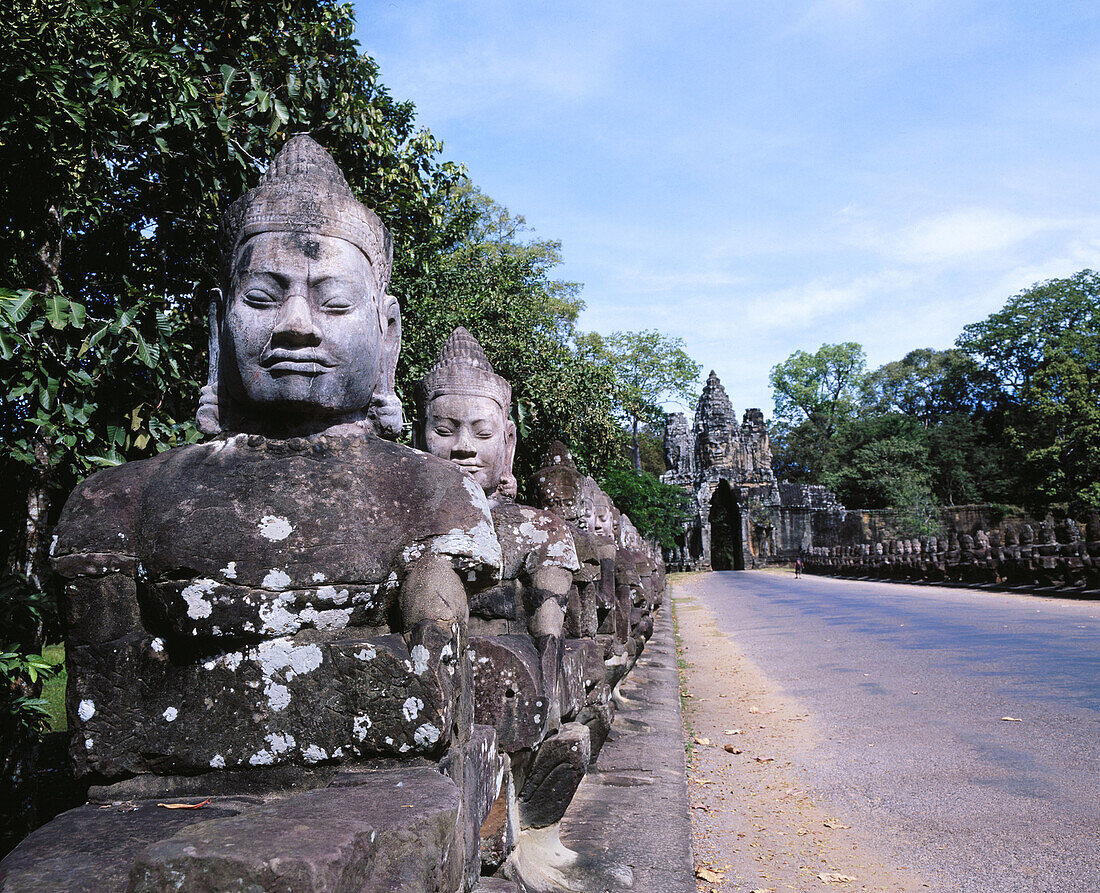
[658,510]
[648,368]
[1039,368]
[498,285]
[133,122]
[814,394]
[1010,415]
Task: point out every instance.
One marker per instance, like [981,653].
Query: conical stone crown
[304,191]
[463,368]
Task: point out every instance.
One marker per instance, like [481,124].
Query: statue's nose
[295,324]
[463,446]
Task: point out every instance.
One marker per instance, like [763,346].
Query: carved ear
[208,417]
[389,320]
[509,446]
[385,411]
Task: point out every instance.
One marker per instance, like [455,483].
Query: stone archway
[727,551]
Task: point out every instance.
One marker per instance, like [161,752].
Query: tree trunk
[634,447]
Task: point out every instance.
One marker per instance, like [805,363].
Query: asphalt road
[908,685]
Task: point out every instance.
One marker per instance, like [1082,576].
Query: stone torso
[253,579]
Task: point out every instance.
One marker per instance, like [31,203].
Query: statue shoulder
[101,514]
[443,510]
[534,538]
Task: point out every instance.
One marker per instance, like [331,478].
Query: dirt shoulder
[755,825]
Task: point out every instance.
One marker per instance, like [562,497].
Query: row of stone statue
[1056,554]
[377,669]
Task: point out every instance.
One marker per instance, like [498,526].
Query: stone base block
[389,830]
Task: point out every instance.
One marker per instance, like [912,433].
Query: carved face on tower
[464,415]
[714,449]
[304,336]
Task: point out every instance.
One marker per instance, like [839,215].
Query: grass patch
[685,695]
[54,689]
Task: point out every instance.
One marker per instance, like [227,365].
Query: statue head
[558,484]
[304,335]
[598,517]
[463,415]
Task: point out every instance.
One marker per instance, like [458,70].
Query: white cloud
[964,233]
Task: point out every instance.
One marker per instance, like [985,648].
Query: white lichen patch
[197,605]
[229,571]
[278,620]
[478,544]
[425,736]
[85,710]
[282,654]
[157,645]
[275,528]
[318,577]
[217,761]
[419,655]
[261,758]
[280,742]
[336,618]
[89,743]
[411,708]
[330,594]
[360,725]
[392,581]
[53,545]
[533,534]
[276,578]
[170,714]
[565,553]
[314,754]
[478,497]
[367,653]
[278,696]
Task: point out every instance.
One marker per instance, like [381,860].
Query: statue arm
[550,589]
[433,591]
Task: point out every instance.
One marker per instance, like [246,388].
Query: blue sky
[761,177]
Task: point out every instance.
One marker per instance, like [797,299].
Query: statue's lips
[295,363]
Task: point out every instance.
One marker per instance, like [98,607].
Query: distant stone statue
[293,594]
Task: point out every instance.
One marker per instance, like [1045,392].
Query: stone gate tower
[727,468]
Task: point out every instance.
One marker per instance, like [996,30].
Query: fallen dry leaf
[754,709]
[709,875]
[765,759]
[835,823]
[833,877]
[1010,719]
[703,742]
[729,748]
[185,805]
[734,732]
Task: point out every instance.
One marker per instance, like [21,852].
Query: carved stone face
[714,449]
[301,331]
[603,521]
[472,432]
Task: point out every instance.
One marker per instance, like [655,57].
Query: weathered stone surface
[478,769]
[396,830]
[511,696]
[138,711]
[559,766]
[496,885]
[500,830]
[91,849]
